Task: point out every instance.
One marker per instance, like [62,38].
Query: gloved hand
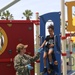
[40,50]
[29,67]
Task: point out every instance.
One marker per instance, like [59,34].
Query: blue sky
[41,6]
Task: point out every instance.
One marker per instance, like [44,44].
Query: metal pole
[37,44]
[69,67]
[9,5]
[63,35]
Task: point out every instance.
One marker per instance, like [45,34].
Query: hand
[29,67]
[40,50]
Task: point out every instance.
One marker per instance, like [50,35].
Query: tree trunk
[7,18]
[27,18]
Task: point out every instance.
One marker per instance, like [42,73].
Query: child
[49,47]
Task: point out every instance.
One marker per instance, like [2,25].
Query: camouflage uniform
[21,62]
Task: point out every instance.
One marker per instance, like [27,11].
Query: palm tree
[6,15]
[11,17]
[0,14]
[28,14]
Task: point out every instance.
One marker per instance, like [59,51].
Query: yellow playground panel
[73,38]
[71,20]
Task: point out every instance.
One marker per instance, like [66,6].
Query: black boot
[44,70]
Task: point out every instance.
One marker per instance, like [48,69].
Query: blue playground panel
[55,17]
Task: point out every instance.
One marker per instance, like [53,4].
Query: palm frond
[28,13]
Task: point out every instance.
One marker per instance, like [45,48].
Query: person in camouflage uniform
[22,60]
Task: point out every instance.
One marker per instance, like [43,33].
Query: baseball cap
[21,46]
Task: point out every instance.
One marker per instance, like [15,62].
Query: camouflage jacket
[21,62]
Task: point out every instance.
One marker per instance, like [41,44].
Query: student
[49,48]
[22,61]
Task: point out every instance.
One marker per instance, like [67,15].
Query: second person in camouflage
[22,60]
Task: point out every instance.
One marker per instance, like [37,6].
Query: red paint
[38,61]
[63,37]
[20,32]
[68,34]
[71,52]
[64,54]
